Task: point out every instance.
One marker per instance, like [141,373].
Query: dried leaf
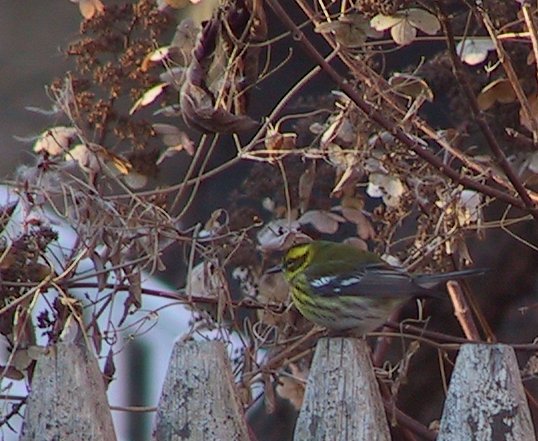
[110,367]
[158,55]
[350,30]
[423,20]
[403,33]
[383,22]
[99,265]
[323,221]
[276,141]
[474,50]
[35,351]
[55,141]
[390,188]
[86,159]
[135,288]
[365,230]
[21,360]
[11,373]
[500,91]
[340,132]
[280,235]
[199,113]
[148,97]
[403,24]
[175,139]
[411,86]
[293,387]
[88,8]
[346,180]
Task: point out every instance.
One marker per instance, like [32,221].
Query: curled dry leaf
[498,91]
[293,387]
[323,221]
[411,86]
[158,55]
[199,113]
[148,97]
[365,230]
[403,24]
[213,97]
[86,159]
[175,139]
[340,131]
[474,50]
[346,180]
[55,141]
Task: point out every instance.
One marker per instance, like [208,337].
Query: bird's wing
[371,280]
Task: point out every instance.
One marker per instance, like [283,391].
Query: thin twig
[462,311]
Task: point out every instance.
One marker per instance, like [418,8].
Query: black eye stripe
[293,264]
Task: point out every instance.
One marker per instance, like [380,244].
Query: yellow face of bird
[296,259]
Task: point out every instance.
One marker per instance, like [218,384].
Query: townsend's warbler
[341,287]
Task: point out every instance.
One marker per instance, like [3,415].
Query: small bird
[343,288]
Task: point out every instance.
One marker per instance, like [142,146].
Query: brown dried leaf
[148,97]
[365,230]
[110,368]
[411,86]
[346,180]
[11,373]
[350,30]
[293,387]
[55,141]
[500,91]
[135,288]
[323,221]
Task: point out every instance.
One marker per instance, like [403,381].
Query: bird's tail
[429,281]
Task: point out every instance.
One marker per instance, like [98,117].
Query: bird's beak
[274,269]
